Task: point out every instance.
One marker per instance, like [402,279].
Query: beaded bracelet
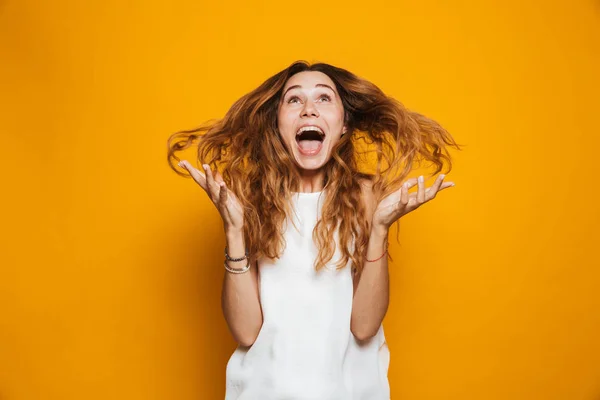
[381,256]
[235,259]
[237,271]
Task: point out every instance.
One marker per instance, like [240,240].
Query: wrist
[236,253]
[233,233]
[379,231]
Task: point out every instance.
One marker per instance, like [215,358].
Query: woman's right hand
[226,202]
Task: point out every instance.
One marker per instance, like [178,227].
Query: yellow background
[111,264]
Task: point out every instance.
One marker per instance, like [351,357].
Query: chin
[310,166]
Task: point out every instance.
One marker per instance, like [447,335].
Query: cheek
[337,113]
[336,120]
[285,123]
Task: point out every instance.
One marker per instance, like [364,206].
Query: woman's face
[310,118]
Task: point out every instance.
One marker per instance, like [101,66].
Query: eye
[328,97]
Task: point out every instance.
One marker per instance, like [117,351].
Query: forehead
[308,80]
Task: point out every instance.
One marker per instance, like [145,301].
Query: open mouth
[310,140]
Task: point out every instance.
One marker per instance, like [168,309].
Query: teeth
[310,128]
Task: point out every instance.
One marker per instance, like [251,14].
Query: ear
[344,130]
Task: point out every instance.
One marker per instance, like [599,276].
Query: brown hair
[246,148]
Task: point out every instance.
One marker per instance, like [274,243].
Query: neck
[311,181]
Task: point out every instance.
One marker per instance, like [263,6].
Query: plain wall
[111,264]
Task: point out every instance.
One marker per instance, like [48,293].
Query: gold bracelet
[237,271]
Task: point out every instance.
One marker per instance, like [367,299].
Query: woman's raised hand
[400,202]
[226,202]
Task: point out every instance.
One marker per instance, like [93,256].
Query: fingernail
[442,176]
[205,166]
[421,179]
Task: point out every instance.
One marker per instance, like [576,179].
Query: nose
[309,109]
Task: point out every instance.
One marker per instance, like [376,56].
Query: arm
[372,294]
[240,296]
[371,287]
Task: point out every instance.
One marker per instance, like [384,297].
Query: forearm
[240,296]
[371,298]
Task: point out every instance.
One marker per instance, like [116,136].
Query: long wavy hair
[246,148]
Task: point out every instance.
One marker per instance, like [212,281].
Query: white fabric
[305,350]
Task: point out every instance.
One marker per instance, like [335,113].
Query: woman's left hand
[400,202]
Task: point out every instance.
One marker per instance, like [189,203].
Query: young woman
[305,286]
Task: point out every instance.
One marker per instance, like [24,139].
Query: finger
[222,194]
[446,185]
[404,196]
[210,181]
[421,191]
[438,182]
[196,175]
[403,203]
[411,182]
[432,191]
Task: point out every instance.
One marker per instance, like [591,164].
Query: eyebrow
[299,86]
